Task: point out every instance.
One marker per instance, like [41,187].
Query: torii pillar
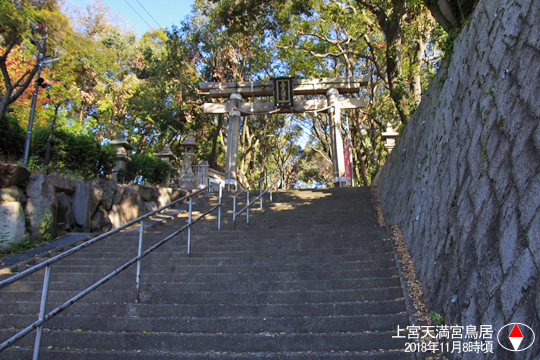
[232,142]
[338,160]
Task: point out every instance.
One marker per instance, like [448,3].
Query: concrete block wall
[463,182]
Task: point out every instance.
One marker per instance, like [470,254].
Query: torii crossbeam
[331,87]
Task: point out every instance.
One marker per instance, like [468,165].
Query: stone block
[150,206]
[518,282]
[80,203]
[116,216]
[529,204]
[494,316]
[41,205]
[117,195]
[109,190]
[130,202]
[95,196]
[162,196]
[12,194]
[146,192]
[65,217]
[533,239]
[101,221]
[12,224]
[177,194]
[524,167]
[61,184]
[509,231]
[13,175]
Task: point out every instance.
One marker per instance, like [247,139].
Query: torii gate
[235,107]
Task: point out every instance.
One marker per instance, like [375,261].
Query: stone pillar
[167,155]
[338,160]
[232,142]
[390,136]
[187,178]
[122,146]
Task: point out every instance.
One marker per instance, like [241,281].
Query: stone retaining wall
[68,205]
[463,182]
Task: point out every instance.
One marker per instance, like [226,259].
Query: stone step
[310,277]
[215,297]
[198,258]
[204,275]
[235,325]
[219,265]
[172,342]
[130,308]
[239,286]
[84,354]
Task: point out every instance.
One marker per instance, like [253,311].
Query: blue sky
[165,12]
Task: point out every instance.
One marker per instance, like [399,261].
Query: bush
[144,169]
[79,153]
[12,137]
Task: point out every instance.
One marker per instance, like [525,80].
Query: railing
[48,264]
[248,204]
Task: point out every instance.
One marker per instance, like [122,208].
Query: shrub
[12,137]
[145,169]
[79,153]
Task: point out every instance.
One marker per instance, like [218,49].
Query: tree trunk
[213,155]
[393,67]
[416,66]
[442,12]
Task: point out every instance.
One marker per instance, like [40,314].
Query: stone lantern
[122,146]
[390,136]
[187,178]
[166,155]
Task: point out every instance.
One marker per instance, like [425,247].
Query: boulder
[150,206]
[177,194]
[12,224]
[146,192]
[101,221]
[41,206]
[162,196]
[131,203]
[79,204]
[117,195]
[116,216]
[95,196]
[109,190]
[12,194]
[65,213]
[13,175]
[62,184]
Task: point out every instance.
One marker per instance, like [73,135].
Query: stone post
[390,136]
[232,140]
[167,155]
[122,146]
[187,180]
[338,160]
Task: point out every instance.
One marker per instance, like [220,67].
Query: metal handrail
[47,265]
[261,193]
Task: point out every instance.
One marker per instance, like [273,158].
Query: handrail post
[219,209]
[43,307]
[138,280]
[247,210]
[189,228]
[260,193]
[234,213]
[271,186]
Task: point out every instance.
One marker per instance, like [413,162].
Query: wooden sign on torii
[235,107]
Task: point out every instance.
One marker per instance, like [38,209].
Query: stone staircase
[310,278]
